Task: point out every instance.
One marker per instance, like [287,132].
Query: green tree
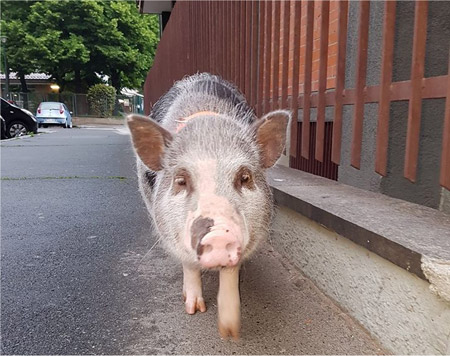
[13,26]
[75,40]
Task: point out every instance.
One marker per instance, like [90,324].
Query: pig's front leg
[228,303]
[192,290]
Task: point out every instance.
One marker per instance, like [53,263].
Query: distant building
[36,82]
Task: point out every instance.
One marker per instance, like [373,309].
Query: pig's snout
[217,243]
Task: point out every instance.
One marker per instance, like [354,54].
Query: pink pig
[201,160]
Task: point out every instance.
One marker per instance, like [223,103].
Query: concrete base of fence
[372,254]
[78,121]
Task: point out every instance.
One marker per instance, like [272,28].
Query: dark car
[18,121]
[3,127]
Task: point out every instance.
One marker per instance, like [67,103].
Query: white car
[54,113]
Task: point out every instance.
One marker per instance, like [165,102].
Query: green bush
[101,99]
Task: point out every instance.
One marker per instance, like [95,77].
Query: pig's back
[201,92]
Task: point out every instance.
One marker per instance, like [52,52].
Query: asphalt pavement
[79,274]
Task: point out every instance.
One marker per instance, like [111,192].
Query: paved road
[78,277]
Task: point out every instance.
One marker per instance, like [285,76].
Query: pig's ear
[271,135]
[149,140]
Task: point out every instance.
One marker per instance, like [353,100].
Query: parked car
[18,122]
[3,127]
[50,112]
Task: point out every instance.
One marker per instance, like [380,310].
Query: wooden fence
[280,56]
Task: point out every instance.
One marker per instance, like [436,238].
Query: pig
[201,161]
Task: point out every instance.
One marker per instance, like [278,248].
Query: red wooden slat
[229,50]
[248,49]
[308,76]
[276,55]
[361,70]
[295,77]
[432,88]
[385,83]
[340,80]
[415,103]
[218,37]
[261,56]
[324,26]
[254,54]
[244,46]
[233,42]
[285,62]
[199,38]
[237,50]
[225,39]
[445,156]
[268,55]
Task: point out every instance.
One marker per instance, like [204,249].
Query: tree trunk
[23,89]
[78,88]
[23,82]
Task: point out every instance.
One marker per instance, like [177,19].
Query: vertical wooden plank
[340,81]
[385,84]
[276,55]
[248,22]
[415,102]
[254,54]
[237,43]
[295,77]
[229,43]
[243,46]
[191,34]
[361,75]
[324,26]
[261,56]
[285,63]
[212,57]
[307,81]
[268,55]
[234,41]
[225,40]
[445,155]
[218,36]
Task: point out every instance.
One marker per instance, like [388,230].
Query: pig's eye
[182,181]
[243,179]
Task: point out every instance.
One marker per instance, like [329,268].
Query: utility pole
[6,94]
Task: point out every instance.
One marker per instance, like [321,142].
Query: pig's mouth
[217,242]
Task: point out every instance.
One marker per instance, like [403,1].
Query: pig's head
[211,201]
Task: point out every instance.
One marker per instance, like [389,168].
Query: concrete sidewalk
[78,276]
[282,312]
[79,121]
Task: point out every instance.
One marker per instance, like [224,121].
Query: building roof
[31,76]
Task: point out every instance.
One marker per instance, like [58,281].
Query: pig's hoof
[231,330]
[194,304]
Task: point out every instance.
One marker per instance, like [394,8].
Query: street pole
[6,94]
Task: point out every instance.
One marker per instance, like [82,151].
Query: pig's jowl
[201,161]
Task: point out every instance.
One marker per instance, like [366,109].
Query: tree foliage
[102,99]
[78,41]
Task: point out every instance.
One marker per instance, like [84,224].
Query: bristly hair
[201,92]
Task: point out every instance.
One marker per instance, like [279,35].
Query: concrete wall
[394,305]
[426,190]
[364,178]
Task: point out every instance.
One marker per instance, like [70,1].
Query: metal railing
[77,103]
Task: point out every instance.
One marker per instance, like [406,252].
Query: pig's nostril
[207,249]
[230,246]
